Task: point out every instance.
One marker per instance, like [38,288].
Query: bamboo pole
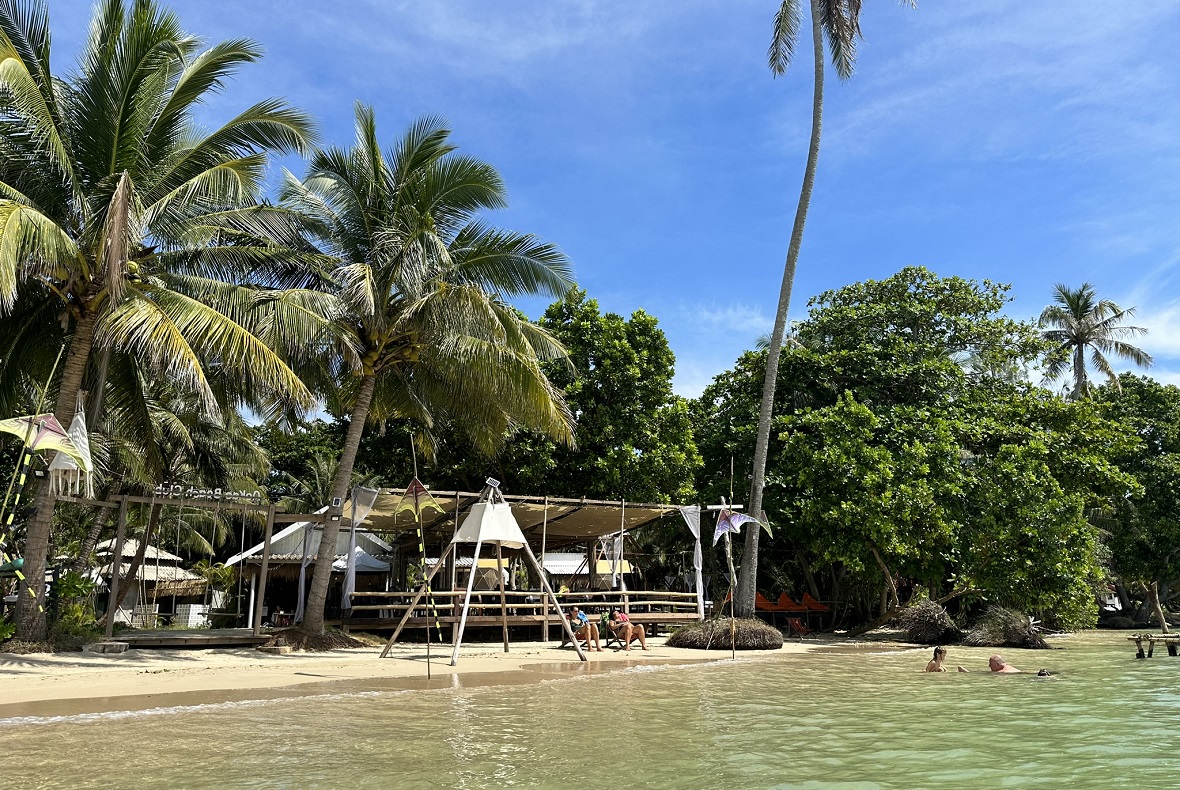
[116,566]
[414,602]
[452,574]
[261,600]
[466,602]
[553,597]
[619,559]
[503,602]
[541,570]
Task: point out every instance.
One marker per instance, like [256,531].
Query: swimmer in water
[935,664]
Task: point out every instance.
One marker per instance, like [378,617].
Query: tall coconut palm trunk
[313,619]
[747,579]
[30,611]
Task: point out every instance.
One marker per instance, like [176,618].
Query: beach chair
[796,627]
[787,604]
[608,636]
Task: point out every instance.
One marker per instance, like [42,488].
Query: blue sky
[1029,143]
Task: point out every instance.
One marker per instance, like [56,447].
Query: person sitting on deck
[935,664]
[622,627]
[584,629]
[997,664]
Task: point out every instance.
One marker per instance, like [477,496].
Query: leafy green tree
[1145,526]
[839,22]
[118,210]
[890,453]
[1079,322]
[633,438]
[423,285]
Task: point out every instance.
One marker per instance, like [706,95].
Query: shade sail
[491,522]
[564,521]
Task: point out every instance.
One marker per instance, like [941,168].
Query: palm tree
[839,22]
[1078,322]
[423,285]
[120,211]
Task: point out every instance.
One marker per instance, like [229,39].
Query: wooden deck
[1170,641]
[195,638]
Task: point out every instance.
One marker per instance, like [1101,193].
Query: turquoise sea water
[847,718]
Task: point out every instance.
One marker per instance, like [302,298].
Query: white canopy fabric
[491,522]
[363,562]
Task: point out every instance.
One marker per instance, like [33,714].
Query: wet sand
[45,685]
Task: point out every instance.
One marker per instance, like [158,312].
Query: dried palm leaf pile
[927,623]
[747,634]
[1000,627]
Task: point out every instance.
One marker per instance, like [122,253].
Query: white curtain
[307,560]
[692,517]
[363,500]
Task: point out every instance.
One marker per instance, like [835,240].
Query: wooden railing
[524,607]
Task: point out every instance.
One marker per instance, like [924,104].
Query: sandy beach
[69,683]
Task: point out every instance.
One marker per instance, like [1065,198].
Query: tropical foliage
[1077,323]
[422,282]
[127,227]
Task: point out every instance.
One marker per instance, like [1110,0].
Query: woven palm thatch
[1000,627]
[927,623]
[747,634]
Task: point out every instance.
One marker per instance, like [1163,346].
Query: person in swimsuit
[935,664]
[584,629]
[622,627]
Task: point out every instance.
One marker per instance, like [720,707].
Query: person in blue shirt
[584,629]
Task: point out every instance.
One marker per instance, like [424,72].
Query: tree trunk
[748,580]
[1080,383]
[1153,594]
[317,597]
[30,614]
[808,576]
[82,561]
[1124,599]
[891,586]
[136,563]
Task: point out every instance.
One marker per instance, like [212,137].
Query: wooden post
[619,559]
[541,571]
[466,602]
[503,603]
[453,576]
[591,564]
[116,566]
[553,597]
[1139,647]
[260,602]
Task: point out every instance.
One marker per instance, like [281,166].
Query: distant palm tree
[124,219]
[839,22]
[423,286]
[1078,322]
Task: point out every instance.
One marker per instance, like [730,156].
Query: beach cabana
[294,549]
[160,576]
[490,522]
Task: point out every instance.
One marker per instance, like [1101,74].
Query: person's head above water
[939,653]
[997,664]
